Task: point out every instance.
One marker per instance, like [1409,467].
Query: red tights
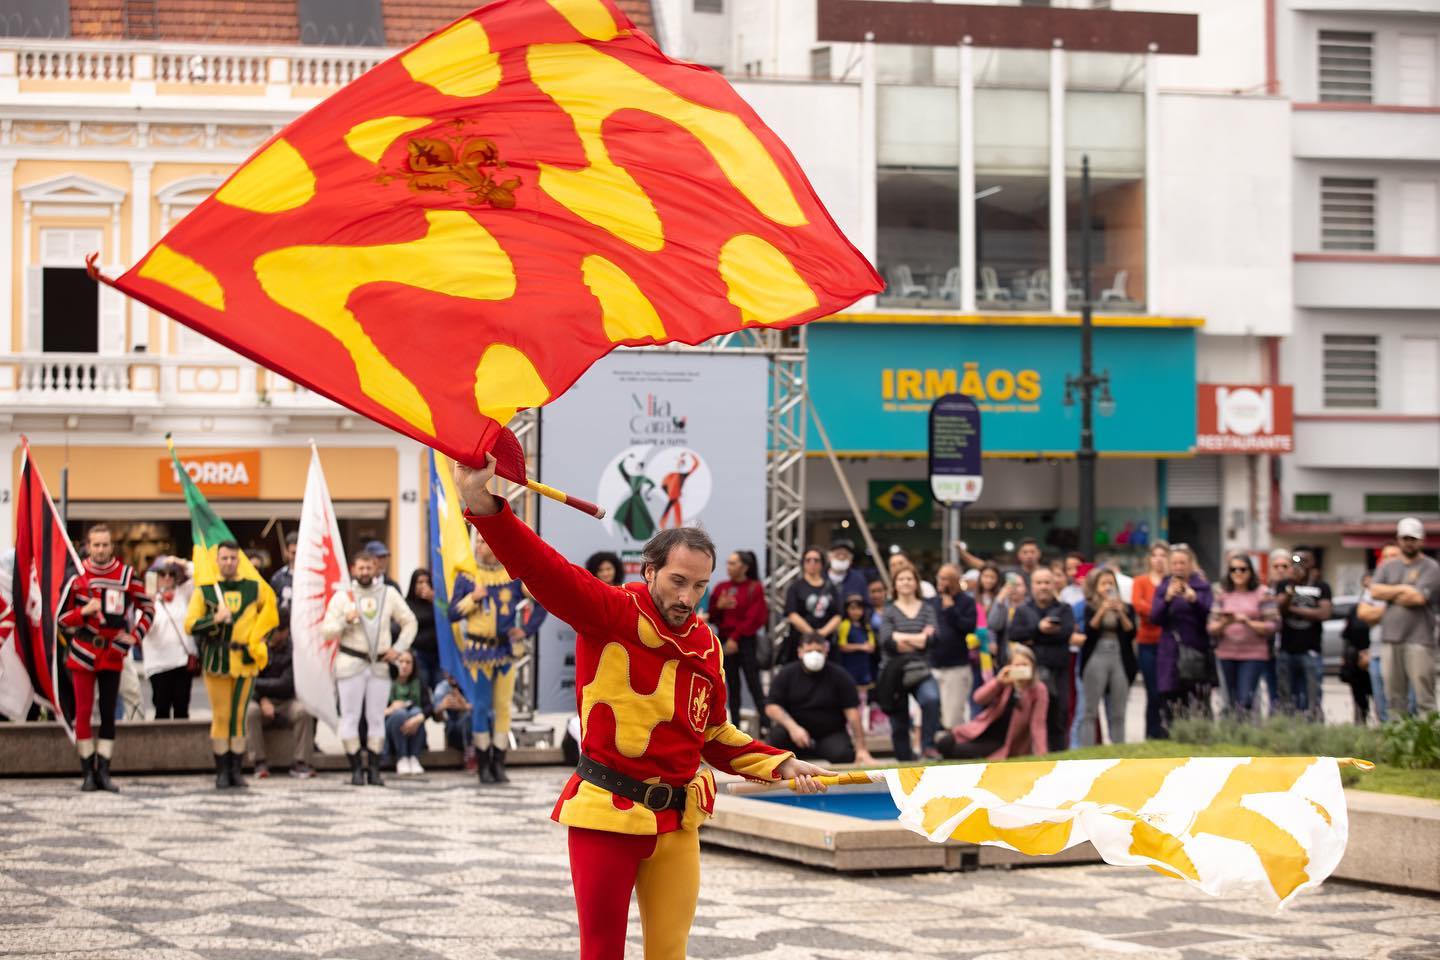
[85,683]
[663,871]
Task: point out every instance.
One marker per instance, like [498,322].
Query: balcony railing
[140,381]
[38,64]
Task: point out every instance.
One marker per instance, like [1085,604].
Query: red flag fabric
[464,230]
[46,569]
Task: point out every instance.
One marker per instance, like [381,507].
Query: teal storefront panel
[873,385]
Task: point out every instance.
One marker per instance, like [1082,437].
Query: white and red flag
[319,572]
[46,569]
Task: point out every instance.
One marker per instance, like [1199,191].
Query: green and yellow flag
[208,531]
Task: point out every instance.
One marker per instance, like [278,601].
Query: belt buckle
[662,805]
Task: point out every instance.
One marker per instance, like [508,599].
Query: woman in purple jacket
[1180,609]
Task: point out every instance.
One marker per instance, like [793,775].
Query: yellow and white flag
[1264,826]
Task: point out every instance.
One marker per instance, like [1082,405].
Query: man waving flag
[493,210]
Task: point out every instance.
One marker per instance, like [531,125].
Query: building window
[709,6]
[1346,60]
[1351,371]
[1012,197]
[1347,213]
[820,63]
[36,19]
[1415,63]
[341,23]
[918,220]
[1312,503]
[1402,503]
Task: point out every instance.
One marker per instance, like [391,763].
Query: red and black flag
[46,570]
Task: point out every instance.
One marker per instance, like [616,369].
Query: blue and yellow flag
[450,553]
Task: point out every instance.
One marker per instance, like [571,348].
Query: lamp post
[1088,381]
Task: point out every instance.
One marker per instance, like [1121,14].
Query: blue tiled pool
[865,806]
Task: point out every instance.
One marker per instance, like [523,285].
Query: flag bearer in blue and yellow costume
[489,604]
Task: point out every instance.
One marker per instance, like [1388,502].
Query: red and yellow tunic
[651,699]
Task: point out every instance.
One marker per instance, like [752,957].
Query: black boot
[486,764]
[236,777]
[497,765]
[373,776]
[102,774]
[222,771]
[357,779]
[87,767]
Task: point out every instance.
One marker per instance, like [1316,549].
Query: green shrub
[1282,735]
[1412,742]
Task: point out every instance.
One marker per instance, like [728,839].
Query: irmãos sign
[1244,418]
[233,475]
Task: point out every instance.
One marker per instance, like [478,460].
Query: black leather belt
[358,655]
[652,796]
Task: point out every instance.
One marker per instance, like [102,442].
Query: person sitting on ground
[1014,707]
[405,716]
[812,703]
[273,705]
[449,707]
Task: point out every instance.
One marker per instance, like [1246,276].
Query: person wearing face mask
[359,618]
[814,708]
[650,687]
[843,575]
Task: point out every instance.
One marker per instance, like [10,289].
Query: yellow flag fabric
[1267,826]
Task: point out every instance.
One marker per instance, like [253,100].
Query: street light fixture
[1087,383]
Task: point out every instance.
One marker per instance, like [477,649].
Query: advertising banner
[1245,418]
[874,384]
[659,440]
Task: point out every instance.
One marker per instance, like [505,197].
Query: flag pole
[847,779]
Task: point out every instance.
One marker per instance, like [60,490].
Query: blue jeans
[928,696]
[1242,679]
[1149,653]
[1301,676]
[398,743]
[1377,684]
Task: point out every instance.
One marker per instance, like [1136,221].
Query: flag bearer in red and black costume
[651,691]
[109,614]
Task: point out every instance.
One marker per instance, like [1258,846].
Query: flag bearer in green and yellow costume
[231,613]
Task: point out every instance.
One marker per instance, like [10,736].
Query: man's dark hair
[657,551]
[292,538]
[96,528]
[227,545]
[363,555]
[1029,542]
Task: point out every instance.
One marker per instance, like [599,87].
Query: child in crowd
[856,647]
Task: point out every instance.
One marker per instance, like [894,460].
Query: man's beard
[1409,550]
[675,615]
[365,581]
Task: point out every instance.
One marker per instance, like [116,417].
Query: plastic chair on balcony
[1038,289]
[902,283]
[990,289]
[950,289]
[1116,291]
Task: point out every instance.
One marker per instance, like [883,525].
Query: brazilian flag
[208,531]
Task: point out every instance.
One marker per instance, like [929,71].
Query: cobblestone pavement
[432,868]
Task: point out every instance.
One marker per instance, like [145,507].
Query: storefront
[872,380]
[256,491]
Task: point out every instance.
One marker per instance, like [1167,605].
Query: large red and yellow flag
[465,229]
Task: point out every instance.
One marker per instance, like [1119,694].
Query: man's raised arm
[562,588]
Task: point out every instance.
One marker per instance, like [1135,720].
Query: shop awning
[156,510]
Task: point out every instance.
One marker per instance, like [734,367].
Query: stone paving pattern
[431,868]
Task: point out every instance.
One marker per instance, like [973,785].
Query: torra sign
[234,475]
